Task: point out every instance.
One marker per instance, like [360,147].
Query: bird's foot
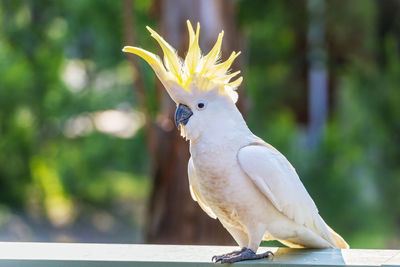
[241,255]
[227,255]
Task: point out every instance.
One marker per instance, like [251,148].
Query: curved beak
[182,115]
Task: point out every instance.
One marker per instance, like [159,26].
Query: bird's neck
[230,131]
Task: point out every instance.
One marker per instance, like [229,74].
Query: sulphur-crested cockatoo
[234,175]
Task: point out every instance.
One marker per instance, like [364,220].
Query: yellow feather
[194,54]
[191,32]
[150,58]
[197,72]
[235,83]
[222,68]
[213,55]
[226,78]
[172,60]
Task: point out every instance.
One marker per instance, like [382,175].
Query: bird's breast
[220,179]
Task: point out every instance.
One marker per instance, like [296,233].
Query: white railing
[77,254]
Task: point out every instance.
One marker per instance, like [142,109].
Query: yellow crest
[203,72]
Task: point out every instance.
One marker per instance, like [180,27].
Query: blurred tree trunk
[173,216]
[317,74]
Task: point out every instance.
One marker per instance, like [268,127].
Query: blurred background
[88,148]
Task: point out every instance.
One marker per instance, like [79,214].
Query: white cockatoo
[234,175]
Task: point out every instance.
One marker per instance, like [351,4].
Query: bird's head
[200,85]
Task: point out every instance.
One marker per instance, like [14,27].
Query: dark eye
[201,105]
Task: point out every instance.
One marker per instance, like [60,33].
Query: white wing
[193,185]
[275,177]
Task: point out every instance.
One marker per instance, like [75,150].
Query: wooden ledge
[75,254]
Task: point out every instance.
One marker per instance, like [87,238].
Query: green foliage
[354,174]
[47,171]
[61,68]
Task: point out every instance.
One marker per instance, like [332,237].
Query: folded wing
[275,177]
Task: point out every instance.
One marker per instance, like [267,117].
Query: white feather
[279,182]
[193,182]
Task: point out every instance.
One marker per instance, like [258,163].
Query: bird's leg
[244,254]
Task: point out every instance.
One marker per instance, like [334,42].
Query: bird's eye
[201,105]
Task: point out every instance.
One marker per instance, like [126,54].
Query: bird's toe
[221,258]
[244,254]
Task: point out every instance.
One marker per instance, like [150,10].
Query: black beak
[182,115]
